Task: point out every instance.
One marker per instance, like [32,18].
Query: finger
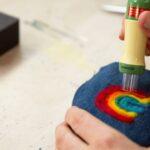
[147,52]
[66,140]
[148,43]
[122,33]
[148,48]
[87,126]
[144,21]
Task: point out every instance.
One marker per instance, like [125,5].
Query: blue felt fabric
[139,130]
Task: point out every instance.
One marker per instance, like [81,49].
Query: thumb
[144,21]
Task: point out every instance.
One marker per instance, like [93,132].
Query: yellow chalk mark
[68,54]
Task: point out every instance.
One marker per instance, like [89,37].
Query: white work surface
[63,43]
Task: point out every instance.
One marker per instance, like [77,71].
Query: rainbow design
[122,105]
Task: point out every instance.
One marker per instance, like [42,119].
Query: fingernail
[121,35]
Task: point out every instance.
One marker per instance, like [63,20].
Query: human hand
[144,22]
[82,131]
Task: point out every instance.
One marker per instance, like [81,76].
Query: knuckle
[75,117]
[59,134]
[109,140]
[58,129]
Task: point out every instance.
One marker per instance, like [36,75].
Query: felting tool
[132,63]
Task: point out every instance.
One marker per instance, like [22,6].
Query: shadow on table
[10,60]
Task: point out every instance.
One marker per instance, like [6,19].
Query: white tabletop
[63,43]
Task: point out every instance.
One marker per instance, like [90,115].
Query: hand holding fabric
[82,131]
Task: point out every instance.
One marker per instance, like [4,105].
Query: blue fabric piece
[139,130]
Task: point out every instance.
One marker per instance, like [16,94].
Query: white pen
[114,8]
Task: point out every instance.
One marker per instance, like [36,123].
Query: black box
[9,32]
